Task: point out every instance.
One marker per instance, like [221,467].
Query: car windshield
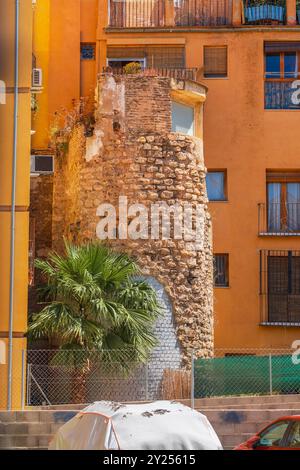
[294,436]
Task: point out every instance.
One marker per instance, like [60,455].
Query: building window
[283,193]
[216,185]
[88,51]
[215,61]
[183,119]
[280,286]
[120,63]
[155,57]
[221,270]
[282,67]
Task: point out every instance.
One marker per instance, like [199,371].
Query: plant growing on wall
[34,104]
[95,304]
[65,120]
[132,68]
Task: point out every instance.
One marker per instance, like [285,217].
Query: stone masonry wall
[133,153]
[41,199]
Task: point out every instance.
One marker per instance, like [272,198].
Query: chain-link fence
[56,377]
[247,372]
[75,377]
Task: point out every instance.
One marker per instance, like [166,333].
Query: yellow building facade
[14,203]
[251,131]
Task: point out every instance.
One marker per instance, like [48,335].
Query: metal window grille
[280,287]
[88,51]
[221,265]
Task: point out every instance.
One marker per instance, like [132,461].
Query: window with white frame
[183,118]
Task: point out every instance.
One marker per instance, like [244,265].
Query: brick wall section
[69,191]
[41,196]
[149,98]
[133,153]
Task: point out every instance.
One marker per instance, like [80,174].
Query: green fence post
[270,374]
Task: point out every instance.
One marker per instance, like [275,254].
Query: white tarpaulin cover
[161,425]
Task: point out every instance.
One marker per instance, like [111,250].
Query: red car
[282,434]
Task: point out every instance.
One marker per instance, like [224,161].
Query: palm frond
[96,302]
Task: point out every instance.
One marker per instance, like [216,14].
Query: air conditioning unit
[37,79]
[42,164]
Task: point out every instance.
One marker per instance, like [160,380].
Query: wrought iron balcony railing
[171,72]
[154,13]
[193,13]
[136,13]
[203,12]
[279,287]
[265,11]
[279,219]
[282,94]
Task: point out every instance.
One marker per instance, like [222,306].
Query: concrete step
[50,416]
[232,440]
[33,429]
[25,448]
[224,429]
[248,416]
[253,406]
[30,429]
[8,441]
[242,400]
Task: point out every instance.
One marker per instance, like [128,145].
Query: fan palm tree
[95,303]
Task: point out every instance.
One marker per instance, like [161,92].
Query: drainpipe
[13,206]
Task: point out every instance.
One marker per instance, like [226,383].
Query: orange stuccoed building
[248,55]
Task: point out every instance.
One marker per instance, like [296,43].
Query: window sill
[215,78]
[283,109]
[279,234]
[218,200]
[221,287]
[285,324]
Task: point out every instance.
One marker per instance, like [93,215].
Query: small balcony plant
[265,11]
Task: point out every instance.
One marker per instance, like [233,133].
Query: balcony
[179,73]
[164,13]
[277,219]
[265,12]
[201,13]
[282,95]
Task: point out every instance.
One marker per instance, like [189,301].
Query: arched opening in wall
[166,379]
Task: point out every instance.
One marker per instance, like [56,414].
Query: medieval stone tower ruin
[133,153]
